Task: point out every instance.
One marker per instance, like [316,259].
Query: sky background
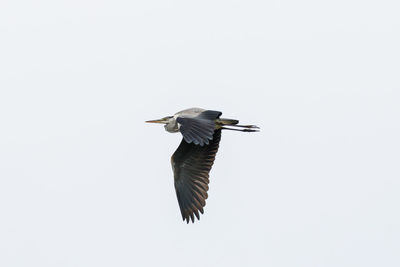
[85,182]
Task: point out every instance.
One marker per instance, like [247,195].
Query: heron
[193,159]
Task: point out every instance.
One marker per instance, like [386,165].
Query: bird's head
[164,120]
[169,122]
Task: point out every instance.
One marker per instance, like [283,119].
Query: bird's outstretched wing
[200,129]
[191,164]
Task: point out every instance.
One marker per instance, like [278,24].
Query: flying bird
[193,159]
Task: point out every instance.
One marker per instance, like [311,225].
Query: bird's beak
[157,121]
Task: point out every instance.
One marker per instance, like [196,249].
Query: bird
[194,158]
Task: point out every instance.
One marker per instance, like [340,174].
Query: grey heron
[193,159]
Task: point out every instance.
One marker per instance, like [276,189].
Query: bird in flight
[193,159]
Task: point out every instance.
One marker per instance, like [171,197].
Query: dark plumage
[191,165]
[199,129]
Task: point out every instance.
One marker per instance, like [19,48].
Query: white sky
[85,182]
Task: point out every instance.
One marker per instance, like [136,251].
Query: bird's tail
[229,124]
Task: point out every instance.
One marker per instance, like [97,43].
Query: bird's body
[173,126]
[192,161]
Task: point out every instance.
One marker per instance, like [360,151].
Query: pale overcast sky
[85,182]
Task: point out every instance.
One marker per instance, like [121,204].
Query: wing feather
[200,129]
[191,165]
